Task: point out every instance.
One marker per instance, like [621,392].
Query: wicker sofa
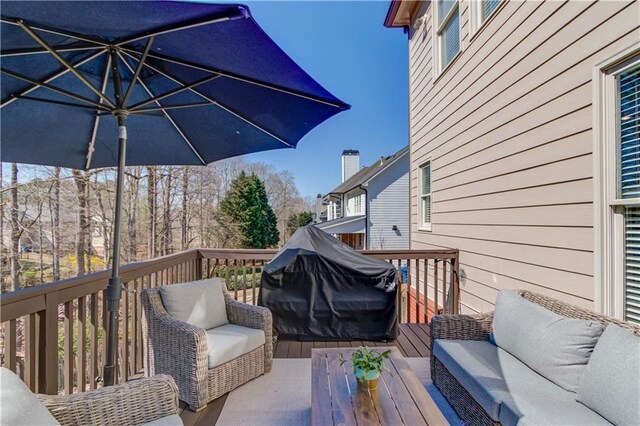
[479,328]
[181,350]
[147,401]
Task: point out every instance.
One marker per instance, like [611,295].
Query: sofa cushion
[18,405]
[507,389]
[230,341]
[611,382]
[172,420]
[557,347]
[200,303]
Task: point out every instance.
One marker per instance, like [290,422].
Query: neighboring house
[370,208]
[525,146]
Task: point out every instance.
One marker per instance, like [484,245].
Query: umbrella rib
[96,122]
[136,74]
[218,104]
[173,123]
[172,29]
[242,78]
[172,92]
[169,107]
[52,88]
[38,51]
[56,75]
[64,62]
[55,31]
[52,101]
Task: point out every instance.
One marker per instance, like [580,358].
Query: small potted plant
[367,366]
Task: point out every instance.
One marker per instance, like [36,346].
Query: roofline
[355,218]
[383,169]
[400,13]
[371,178]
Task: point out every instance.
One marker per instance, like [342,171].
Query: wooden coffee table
[400,397]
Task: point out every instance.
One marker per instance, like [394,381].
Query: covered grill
[318,288]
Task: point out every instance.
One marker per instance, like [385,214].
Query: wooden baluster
[125,334]
[105,333]
[425,279]
[82,345]
[10,345]
[48,350]
[409,310]
[235,278]
[68,348]
[208,275]
[93,340]
[417,262]
[30,351]
[445,290]
[255,283]
[133,361]
[244,281]
[435,285]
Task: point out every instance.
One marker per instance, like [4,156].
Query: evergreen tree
[247,209]
[298,220]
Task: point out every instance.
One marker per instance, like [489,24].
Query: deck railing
[53,334]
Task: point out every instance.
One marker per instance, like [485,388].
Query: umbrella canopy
[89,84]
[244,94]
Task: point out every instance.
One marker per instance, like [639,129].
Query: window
[480,11]
[628,159]
[617,151]
[447,40]
[358,205]
[425,197]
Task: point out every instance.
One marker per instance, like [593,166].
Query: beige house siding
[508,129]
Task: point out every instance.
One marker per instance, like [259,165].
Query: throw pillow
[199,303]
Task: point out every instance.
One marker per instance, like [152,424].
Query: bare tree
[81,218]
[15,231]
[54,208]
[183,218]
[152,192]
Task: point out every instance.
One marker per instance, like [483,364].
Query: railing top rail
[139,269]
[128,272]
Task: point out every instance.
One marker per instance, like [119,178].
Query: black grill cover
[318,288]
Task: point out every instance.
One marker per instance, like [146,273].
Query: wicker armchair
[132,403]
[478,327]
[180,350]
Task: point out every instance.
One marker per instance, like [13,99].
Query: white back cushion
[554,346]
[18,405]
[199,303]
[610,385]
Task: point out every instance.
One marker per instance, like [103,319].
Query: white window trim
[475,16]
[438,70]
[424,226]
[608,209]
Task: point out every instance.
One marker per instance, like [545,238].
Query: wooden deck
[413,341]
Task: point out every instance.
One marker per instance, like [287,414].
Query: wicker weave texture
[132,403]
[478,327]
[181,351]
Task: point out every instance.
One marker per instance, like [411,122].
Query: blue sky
[346,48]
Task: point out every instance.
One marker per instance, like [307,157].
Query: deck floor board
[413,341]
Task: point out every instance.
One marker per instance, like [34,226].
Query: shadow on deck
[413,341]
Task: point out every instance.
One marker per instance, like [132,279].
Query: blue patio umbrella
[113,83]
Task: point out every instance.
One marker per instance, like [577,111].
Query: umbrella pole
[114,289]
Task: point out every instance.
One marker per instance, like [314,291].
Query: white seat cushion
[18,405]
[230,341]
[199,303]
